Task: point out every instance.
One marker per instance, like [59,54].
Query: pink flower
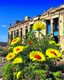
[59,63]
[14,69]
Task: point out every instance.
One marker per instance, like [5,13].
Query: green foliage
[57,74]
[3,53]
[32,69]
[1,49]
[8,72]
[63,52]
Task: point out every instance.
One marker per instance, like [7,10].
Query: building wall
[50,15]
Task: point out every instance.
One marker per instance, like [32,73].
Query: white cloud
[3,25]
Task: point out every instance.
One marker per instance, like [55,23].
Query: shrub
[3,53]
[34,58]
[1,49]
[8,72]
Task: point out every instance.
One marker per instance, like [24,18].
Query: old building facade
[54,24]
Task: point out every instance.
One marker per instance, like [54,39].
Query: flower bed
[34,58]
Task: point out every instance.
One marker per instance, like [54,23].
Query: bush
[3,53]
[8,72]
[33,58]
[1,49]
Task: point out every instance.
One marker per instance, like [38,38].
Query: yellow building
[54,24]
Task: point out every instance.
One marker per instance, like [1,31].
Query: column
[23,32]
[61,30]
[14,33]
[9,37]
[61,24]
[51,23]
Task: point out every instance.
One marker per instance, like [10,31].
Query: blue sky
[11,10]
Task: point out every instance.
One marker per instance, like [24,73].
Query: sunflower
[15,40]
[37,55]
[17,60]
[18,49]
[39,26]
[18,74]
[53,53]
[10,56]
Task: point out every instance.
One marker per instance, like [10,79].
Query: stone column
[13,34]
[51,25]
[28,28]
[61,24]
[9,37]
[23,32]
[61,30]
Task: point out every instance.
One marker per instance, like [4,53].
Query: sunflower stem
[39,35]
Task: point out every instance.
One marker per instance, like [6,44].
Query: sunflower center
[14,40]
[52,52]
[10,56]
[17,49]
[38,57]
